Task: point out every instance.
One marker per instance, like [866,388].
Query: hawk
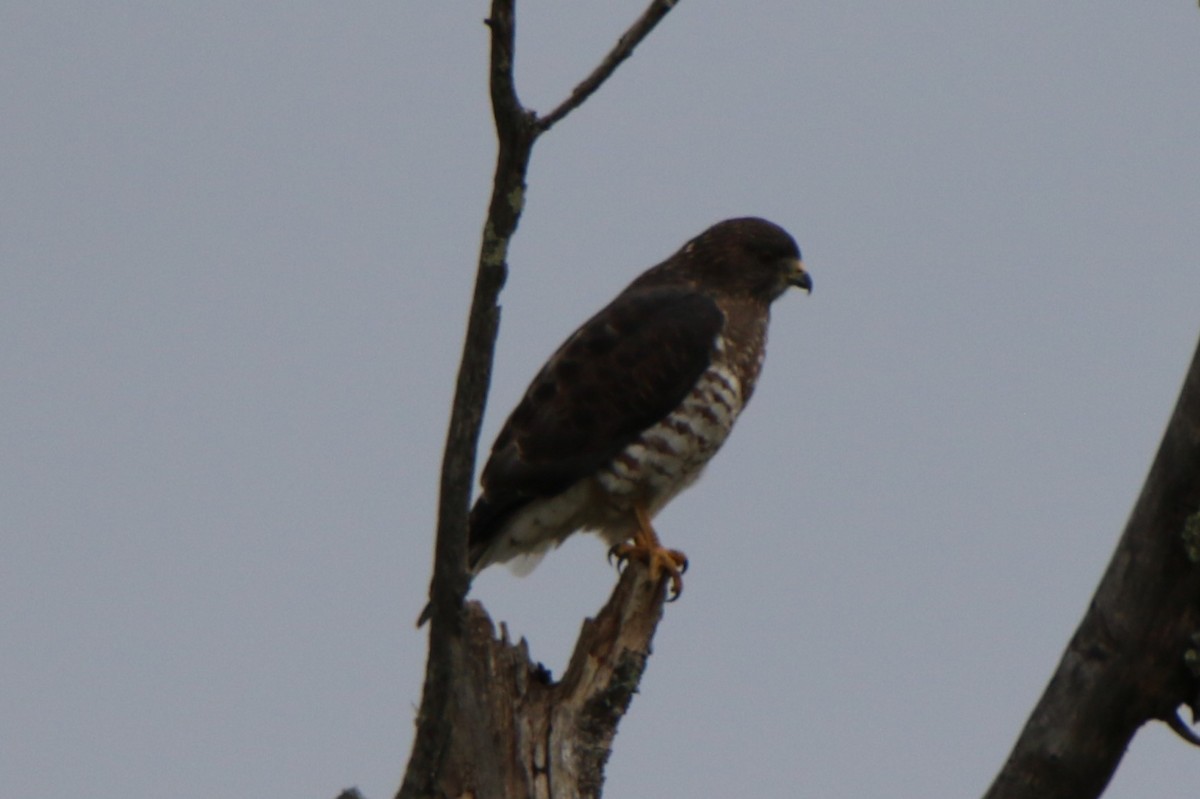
[631,407]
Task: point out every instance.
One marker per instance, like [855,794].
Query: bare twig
[622,50]
[506,106]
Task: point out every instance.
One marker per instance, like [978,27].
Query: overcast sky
[237,242]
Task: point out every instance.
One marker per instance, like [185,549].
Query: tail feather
[483,528]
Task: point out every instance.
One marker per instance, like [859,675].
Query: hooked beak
[798,277]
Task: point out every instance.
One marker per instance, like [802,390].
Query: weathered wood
[517,733]
[1128,661]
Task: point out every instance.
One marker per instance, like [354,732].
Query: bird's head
[747,256]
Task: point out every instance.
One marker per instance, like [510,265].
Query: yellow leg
[647,548]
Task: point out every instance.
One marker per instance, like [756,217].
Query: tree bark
[514,732]
[1134,656]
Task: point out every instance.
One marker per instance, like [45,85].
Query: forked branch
[621,50]
[462,709]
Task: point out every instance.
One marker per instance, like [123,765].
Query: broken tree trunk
[513,731]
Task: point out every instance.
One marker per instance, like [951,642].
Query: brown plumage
[632,406]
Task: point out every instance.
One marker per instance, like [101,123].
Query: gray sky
[236,249]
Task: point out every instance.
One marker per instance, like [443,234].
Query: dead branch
[1128,661]
[455,751]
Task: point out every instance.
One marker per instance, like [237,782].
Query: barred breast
[669,456]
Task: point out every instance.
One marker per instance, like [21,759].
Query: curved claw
[616,553]
[675,586]
[676,566]
[663,562]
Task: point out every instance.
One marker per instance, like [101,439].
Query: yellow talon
[646,547]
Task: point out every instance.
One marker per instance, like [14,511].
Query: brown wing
[625,369]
